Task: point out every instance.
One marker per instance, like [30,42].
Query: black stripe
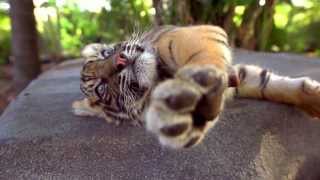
[219,41]
[193,55]
[219,33]
[160,59]
[242,73]
[115,116]
[171,52]
[163,33]
[112,109]
[264,79]
[84,90]
[223,43]
[106,97]
[224,59]
[90,85]
[87,78]
[87,64]
[304,88]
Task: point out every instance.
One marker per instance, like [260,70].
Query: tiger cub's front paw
[85,108]
[183,109]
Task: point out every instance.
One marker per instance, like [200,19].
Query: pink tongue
[121,61]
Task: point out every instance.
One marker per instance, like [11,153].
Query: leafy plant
[5,43]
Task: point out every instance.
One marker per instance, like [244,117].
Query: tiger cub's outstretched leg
[184,108]
[256,82]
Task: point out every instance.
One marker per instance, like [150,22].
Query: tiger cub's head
[136,63]
[127,71]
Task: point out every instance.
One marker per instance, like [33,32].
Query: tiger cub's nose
[121,61]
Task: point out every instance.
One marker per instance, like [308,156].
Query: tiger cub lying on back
[175,80]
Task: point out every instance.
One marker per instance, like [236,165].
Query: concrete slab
[40,138]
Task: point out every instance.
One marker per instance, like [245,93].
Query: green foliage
[243,2]
[65,29]
[5,37]
[296,28]
[124,17]
[77,27]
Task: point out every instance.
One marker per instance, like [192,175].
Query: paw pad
[181,100]
[205,78]
[174,130]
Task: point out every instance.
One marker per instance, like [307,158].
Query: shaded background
[36,35]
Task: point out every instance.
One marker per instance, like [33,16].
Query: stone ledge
[41,139]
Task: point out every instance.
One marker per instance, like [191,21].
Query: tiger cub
[175,81]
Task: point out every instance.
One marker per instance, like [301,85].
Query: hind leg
[259,83]
[183,109]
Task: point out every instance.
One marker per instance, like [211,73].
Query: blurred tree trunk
[227,22]
[158,6]
[198,12]
[24,43]
[174,19]
[245,35]
[255,28]
[264,25]
[183,8]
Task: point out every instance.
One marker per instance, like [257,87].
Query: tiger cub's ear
[92,50]
[233,78]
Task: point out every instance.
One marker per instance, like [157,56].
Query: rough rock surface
[40,138]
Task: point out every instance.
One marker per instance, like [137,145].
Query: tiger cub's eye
[106,53]
[101,89]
